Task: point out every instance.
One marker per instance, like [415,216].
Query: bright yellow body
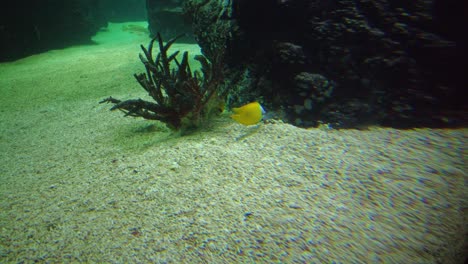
[249,114]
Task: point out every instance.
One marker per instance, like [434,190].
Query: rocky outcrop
[346,63]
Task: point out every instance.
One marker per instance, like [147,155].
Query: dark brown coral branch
[181,98]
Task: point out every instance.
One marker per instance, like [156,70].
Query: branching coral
[182,98]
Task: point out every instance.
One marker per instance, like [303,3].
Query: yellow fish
[249,114]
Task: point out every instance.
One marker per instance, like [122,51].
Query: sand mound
[79,183]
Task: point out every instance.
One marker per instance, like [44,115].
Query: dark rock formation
[347,63]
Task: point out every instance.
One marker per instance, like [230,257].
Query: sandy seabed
[79,183]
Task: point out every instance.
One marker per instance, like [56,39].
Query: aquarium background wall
[30,27]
